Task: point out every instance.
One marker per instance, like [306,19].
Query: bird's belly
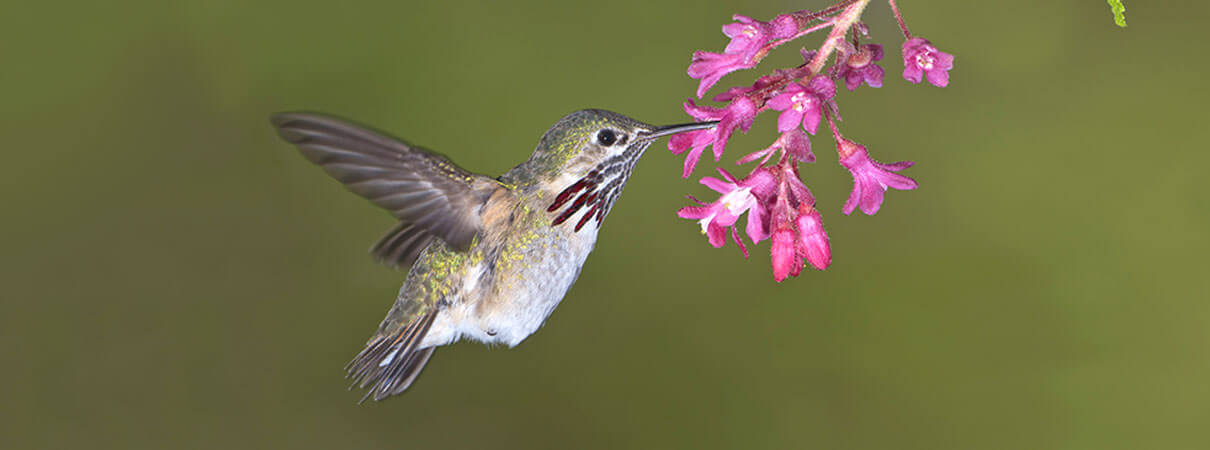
[527,283]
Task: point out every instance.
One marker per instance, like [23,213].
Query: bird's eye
[607,137]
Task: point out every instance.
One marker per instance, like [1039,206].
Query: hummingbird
[488,258]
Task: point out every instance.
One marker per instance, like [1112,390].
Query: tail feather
[390,363]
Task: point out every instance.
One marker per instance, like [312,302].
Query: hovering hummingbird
[489,258]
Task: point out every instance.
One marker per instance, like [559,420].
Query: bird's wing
[400,247]
[429,195]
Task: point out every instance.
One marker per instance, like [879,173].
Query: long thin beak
[674,129]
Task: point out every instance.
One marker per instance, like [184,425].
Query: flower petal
[823,87]
[788,120]
[691,161]
[783,255]
[854,196]
[813,241]
[944,61]
[756,224]
[897,181]
[895,166]
[913,73]
[739,242]
[871,199]
[852,80]
[938,77]
[718,185]
[810,118]
[695,212]
[796,143]
[873,75]
[716,234]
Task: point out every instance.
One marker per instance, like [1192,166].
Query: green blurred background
[174,276]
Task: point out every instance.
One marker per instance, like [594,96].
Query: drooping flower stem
[899,18]
[832,125]
[840,27]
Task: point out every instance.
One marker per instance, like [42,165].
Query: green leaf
[1119,12]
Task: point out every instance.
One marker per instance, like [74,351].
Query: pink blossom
[800,105]
[792,242]
[783,26]
[786,262]
[738,114]
[813,240]
[737,198]
[870,178]
[796,228]
[859,67]
[921,58]
[750,37]
[711,67]
[750,40]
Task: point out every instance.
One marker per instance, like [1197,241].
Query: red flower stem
[840,26]
[785,159]
[832,125]
[899,17]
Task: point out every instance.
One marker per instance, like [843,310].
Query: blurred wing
[428,194]
[400,247]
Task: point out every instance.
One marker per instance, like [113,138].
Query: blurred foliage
[177,277]
[1119,12]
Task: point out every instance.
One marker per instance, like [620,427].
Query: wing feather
[431,196]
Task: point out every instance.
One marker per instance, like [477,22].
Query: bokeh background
[174,276]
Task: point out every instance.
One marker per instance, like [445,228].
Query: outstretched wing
[429,195]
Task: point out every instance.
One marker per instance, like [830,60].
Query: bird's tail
[391,362]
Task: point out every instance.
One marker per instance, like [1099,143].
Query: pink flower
[870,178]
[813,240]
[793,142]
[738,114]
[786,262]
[797,228]
[920,58]
[800,105]
[711,67]
[795,241]
[737,198]
[783,26]
[860,67]
[750,42]
[749,37]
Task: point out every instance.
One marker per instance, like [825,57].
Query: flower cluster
[779,206]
